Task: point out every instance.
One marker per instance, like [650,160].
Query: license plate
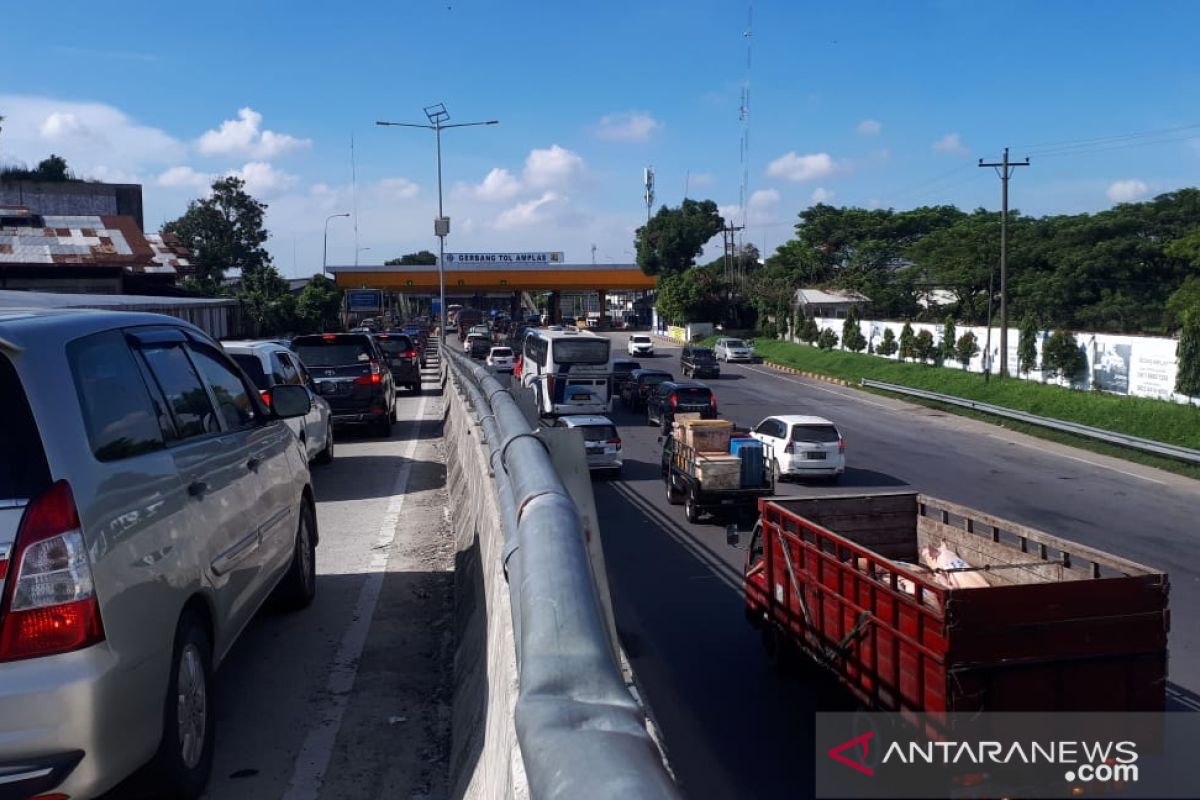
[815,456]
[328,387]
[595,451]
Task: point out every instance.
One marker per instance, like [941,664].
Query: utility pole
[1005,170]
[728,237]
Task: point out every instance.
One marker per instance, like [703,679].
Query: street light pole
[325,246]
[437,116]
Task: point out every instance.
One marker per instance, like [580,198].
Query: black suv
[352,375]
[641,382]
[679,397]
[699,362]
[622,368]
[401,354]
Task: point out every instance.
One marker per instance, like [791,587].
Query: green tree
[966,348]
[1187,352]
[1027,345]
[412,259]
[225,231]
[1062,356]
[827,340]
[809,333]
[1186,297]
[908,343]
[887,345]
[669,243]
[52,169]
[320,304]
[924,347]
[852,337]
[949,340]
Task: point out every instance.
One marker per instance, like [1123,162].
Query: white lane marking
[1077,458]
[308,771]
[993,435]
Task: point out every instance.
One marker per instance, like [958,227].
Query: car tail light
[368,380]
[615,442]
[266,397]
[674,402]
[790,449]
[712,402]
[409,354]
[49,599]
[329,337]
[841,445]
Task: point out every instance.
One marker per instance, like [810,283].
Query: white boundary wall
[1140,366]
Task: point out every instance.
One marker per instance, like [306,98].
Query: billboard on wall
[492,260]
[364,300]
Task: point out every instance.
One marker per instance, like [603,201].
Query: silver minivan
[150,503]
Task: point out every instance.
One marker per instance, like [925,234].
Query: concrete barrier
[485,760]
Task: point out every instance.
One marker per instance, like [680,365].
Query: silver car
[150,503]
[733,350]
[601,442]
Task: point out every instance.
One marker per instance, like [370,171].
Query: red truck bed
[1060,626]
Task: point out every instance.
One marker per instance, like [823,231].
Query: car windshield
[703,355]
[655,379]
[641,340]
[734,343]
[394,345]
[332,351]
[821,434]
[598,433]
[588,350]
[252,366]
[625,367]
[693,395]
[501,352]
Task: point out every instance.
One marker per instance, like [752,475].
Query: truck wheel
[775,646]
[690,509]
[674,496]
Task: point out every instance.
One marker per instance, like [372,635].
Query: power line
[1004,169]
[1113,137]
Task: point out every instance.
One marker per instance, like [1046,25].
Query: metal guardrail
[582,734]
[1112,437]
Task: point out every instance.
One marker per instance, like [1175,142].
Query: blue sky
[863,103]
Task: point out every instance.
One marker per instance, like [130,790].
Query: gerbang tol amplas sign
[1007,755]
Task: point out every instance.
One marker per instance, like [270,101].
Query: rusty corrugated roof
[82,240]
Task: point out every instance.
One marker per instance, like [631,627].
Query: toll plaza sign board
[466,261]
[364,300]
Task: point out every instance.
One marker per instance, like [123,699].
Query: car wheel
[326,455]
[690,509]
[649,416]
[184,759]
[299,585]
[776,475]
[384,426]
[674,496]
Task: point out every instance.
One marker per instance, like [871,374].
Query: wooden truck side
[1059,626]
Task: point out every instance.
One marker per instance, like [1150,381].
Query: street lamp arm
[406,125]
[469,124]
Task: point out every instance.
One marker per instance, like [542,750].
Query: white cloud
[950,143]
[553,167]
[500,184]
[1127,191]
[63,125]
[243,137]
[631,126]
[533,212]
[97,140]
[869,127]
[184,176]
[821,195]
[398,188]
[263,179]
[764,198]
[798,168]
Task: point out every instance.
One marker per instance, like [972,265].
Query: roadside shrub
[887,345]
[1027,345]
[966,348]
[1062,356]
[852,338]
[949,348]
[924,347]
[808,331]
[827,340]
[1187,380]
[907,343]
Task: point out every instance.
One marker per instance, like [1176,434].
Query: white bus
[568,372]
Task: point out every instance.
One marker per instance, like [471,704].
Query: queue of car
[155,492]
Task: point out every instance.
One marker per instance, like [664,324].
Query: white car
[500,359]
[803,446]
[270,363]
[601,441]
[641,345]
[733,350]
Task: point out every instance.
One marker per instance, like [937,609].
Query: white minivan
[803,446]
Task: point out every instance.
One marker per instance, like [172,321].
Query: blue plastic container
[750,451]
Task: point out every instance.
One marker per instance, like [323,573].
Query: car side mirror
[732,537]
[290,400]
